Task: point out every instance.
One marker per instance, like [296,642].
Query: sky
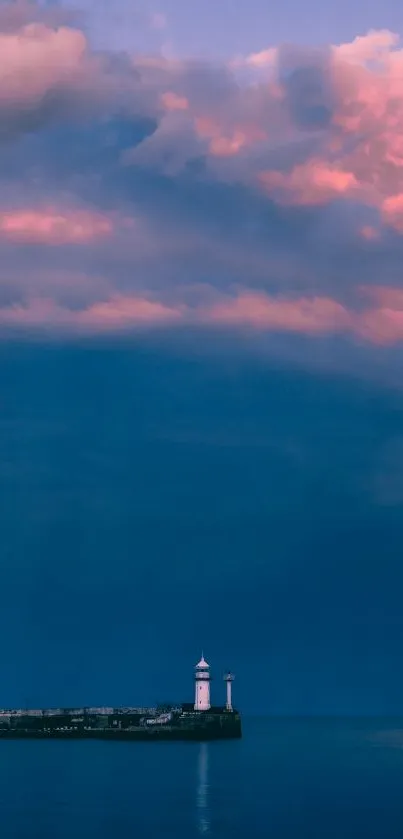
[201,326]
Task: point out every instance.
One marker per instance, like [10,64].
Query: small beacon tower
[202,685]
[229,678]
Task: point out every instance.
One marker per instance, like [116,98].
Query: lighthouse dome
[202,664]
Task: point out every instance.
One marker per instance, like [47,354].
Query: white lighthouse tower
[229,678]
[202,685]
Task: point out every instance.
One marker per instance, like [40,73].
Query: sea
[285,779]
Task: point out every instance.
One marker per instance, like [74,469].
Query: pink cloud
[121,311]
[227,146]
[52,227]
[36,59]
[368,232]
[227,141]
[47,70]
[117,313]
[381,326]
[361,148]
[384,297]
[365,95]
[392,211]
[374,46]
[366,77]
[380,323]
[173,102]
[314,182]
[305,315]
[263,59]
[252,134]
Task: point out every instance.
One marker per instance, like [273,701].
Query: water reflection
[202,795]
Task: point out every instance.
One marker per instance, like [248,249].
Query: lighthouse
[202,685]
[229,678]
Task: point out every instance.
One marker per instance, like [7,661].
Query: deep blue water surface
[285,779]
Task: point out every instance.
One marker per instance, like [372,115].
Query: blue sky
[228,27]
[154,503]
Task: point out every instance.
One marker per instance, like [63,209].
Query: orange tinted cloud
[314,182]
[51,227]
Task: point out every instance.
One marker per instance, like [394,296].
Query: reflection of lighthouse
[229,678]
[202,685]
[202,802]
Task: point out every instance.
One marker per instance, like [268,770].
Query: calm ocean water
[285,779]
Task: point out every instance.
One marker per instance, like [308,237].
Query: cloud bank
[139,191]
